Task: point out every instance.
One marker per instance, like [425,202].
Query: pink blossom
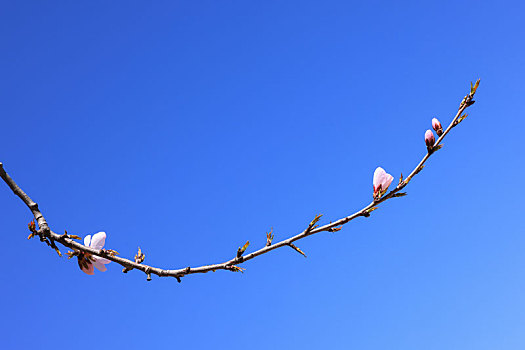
[381,182]
[87,261]
[436,125]
[429,139]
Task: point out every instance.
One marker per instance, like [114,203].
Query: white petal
[378,176]
[99,266]
[87,240]
[100,260]
[98,240]
[388,180]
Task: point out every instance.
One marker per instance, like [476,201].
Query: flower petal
[98,240]
[89,270]
[87,240]
[100,260]
[379,174]
[387,181]
[100,266]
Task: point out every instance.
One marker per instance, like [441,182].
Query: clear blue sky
[189,127]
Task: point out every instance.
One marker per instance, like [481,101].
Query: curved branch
[46,233]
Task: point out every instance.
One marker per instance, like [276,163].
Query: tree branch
[46,234]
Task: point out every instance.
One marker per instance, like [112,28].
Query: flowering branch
[91,253]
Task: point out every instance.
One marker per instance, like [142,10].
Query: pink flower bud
[381,182]
[436,125]
[429,139]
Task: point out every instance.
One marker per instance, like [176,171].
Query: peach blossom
[96,242]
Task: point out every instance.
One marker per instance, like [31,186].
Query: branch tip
[269,237]
[313,223]
[474,87]
[140,256]
[293,246]
[241,250]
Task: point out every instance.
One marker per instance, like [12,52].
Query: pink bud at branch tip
[429,139]
[436,125]
[381,182]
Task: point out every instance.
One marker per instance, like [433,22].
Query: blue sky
[187,128]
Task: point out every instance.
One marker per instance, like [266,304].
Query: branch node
[334,229]
[419,169]
[399,194]
[147,270]
[366,213]
[313,223]
[234,268]
[66,235]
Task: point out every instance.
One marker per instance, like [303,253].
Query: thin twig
[46,233]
